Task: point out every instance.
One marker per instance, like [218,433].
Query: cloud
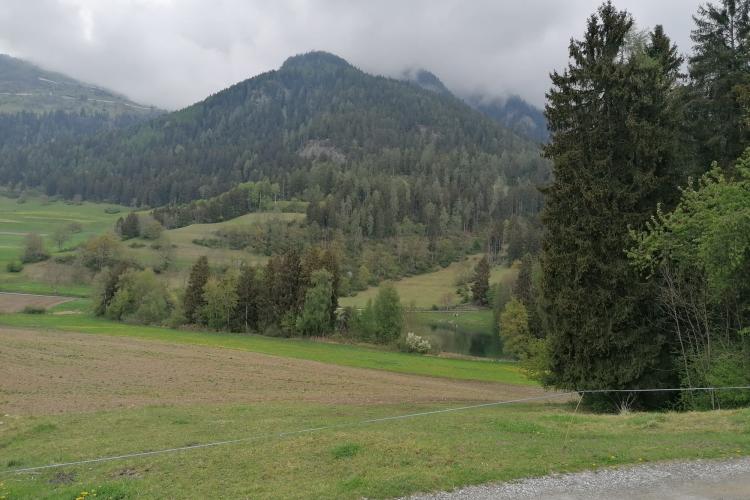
[172,53]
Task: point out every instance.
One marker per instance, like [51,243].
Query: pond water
[461,333]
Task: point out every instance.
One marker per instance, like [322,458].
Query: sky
[171,53]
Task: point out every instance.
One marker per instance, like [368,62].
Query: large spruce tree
[613,147]
[194,300]
[249,299]
[720,81]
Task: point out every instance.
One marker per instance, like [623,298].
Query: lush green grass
[187,252]
[20,284]
[378,460]
[431,289]
[43,217]
[36,215]
[339,354]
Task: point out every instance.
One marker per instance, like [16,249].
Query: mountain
[26,87]
[369,153]
[38,107]
[513,112]
[426,80]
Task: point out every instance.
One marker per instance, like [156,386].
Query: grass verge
[380,460]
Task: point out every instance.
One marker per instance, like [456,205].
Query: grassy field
[130,389]
[36,215]
[379,460]
[42,216]
[429,289]
[187,252]
[339,354]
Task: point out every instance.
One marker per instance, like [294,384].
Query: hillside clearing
[432,289]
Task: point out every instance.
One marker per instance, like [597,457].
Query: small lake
[470,333]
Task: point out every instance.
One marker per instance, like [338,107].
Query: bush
[65,259]
[14,266]
[33,250]
[101,251]
[140,298]
[150,228]
[730,367]
[208,242]
[415,343]
[136,244]
[34,310]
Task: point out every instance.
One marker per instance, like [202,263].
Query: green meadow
[432,289]
[345,459]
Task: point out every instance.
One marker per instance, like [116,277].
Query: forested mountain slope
[367,151]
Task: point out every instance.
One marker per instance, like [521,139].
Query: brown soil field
[51,372]
[15,302]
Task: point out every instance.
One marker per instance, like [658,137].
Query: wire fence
[278,435]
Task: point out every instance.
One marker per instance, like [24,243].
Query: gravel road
[694,480]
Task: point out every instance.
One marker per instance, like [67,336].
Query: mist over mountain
[39,106]
[27,87]
[512,111]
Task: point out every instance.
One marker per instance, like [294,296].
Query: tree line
[294,294]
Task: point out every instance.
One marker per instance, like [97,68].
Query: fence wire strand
[271,435]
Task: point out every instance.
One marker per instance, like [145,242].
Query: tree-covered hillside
[368,152]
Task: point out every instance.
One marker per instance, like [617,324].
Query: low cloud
[172,53]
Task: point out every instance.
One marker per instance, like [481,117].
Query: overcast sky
[171,53]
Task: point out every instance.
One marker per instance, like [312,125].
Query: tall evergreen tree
[330,262]
[249,292]
[481,283]
[130,227]
[388,314]
[315,318]
[524,290]
[271,311]
[719,77]
[605,113]
[194,300]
